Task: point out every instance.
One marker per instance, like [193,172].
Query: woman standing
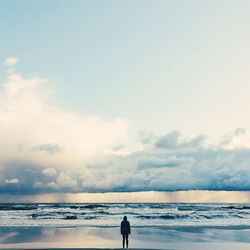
[125,231]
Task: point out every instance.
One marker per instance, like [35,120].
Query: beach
[177,226]
[175,238]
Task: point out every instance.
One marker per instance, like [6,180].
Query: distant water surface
[110,214]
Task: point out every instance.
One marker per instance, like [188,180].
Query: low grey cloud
[147,137]
[168,162]
[173,140]
[230,136]
[49,172]
[12,181]
[186,164]
[47,148]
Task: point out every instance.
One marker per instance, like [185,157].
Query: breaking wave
[110,214]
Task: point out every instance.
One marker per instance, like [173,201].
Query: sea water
[111,214]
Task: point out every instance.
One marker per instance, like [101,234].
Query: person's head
[125,218]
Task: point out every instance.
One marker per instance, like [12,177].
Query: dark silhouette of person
[125,231]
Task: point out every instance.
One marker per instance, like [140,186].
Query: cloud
[173,140]
[166,162]
[12,181]
[37,133]
[187,166]
[147,137]
[47,148]
[232,138]
[183,164]
[11,61]
[32,123]
[49,172]
[52,149]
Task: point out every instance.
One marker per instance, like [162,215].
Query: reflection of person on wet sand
[125,231]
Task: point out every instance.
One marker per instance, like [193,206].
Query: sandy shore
[84,249]
[168,238]
[180,246]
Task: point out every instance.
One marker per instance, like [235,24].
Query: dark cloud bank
[167,163]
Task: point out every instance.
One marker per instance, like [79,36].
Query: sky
[124,96]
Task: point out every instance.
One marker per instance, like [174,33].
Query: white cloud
[64,180]
[11,61]
[51,148]
[12,181]
[49,172]
[35,128]
[185,165]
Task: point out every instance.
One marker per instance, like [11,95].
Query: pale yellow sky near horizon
[193,196]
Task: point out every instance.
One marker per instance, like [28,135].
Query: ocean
[111,214]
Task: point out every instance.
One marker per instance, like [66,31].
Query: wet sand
[176,238]
[85,248]
[181,246]
[38,248]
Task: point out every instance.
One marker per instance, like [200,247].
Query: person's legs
[123,240]
[127,240]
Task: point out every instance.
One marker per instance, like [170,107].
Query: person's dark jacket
[125,227]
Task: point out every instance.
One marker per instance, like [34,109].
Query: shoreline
[82,248]
[174,227]
[174,238]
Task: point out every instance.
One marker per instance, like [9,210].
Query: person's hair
[125,218]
